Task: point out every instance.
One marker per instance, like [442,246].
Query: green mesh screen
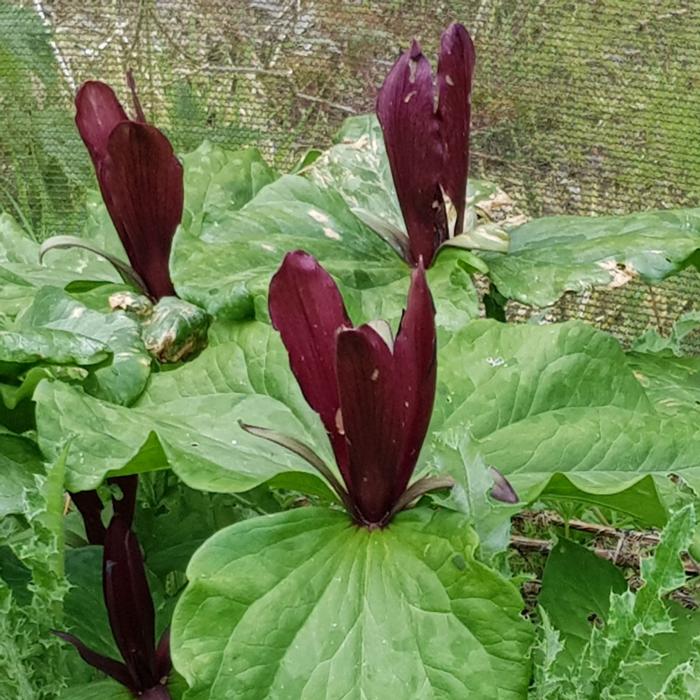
[585,107]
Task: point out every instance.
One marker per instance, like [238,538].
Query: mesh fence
[584,107]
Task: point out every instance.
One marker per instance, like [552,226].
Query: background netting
[585,107]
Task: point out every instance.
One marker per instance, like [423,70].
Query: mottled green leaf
[550,256]
[21,274]
[225,266]
[124,378]
[357,167]
[18,349]
[219,181]
[672,383]
[404,612]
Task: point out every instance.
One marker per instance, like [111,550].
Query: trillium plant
[426,131]
[141,181]
[373,392]
[314,504]
[145,666]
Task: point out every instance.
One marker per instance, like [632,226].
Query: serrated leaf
[20,462]
[389,613]
[576,588]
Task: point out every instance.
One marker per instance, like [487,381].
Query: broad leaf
[21,349]
[576,588]
[21,274]
[559,402]
[225,264]
[124,378]
[672,383]
[219,181]
[550,256]
[188,419]
[403,612]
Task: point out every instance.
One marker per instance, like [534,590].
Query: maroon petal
[114,669]
[98,111]
[415,351]
[158,692]
[454,74]
[372,416]
[129,603]
[142,185]
[90,506]
[406,112]
[163,662]
[126,505]
[308,311]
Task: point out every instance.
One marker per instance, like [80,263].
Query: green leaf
[638,644]
[188,419]
[219,181]
[20,462]
[653,342]
[225,264]
[573,253]
[85,614]
[49,346]
[560,402]
[175,330]
[623,645]
[576,588]
[357,167]
[98,690]
[124,378]
[21,274]
[403,612]
[671,383]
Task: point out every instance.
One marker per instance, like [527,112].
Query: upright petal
[164,663]
[129,603]
[415,354]
[126,505]
[455,73]
[90,506]
[142,185]
[372,416]
[406,112]
[98,111]
[308,311]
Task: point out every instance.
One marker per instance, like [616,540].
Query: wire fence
[584,107]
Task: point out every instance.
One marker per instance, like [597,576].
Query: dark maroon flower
[145,667]
[90,506]
[427,139]
[374,394]
[140,178]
